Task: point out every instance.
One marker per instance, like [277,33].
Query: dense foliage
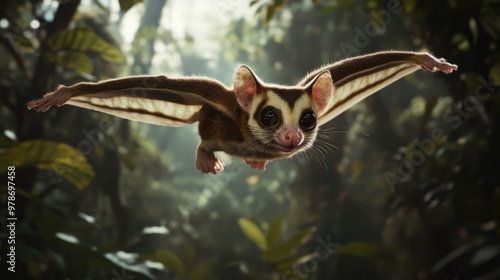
[410,190]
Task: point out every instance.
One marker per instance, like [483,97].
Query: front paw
[206,162]
[432,64]
[257,164]
[58,98]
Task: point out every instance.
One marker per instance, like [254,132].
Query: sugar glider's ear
[245,86]
[321,89]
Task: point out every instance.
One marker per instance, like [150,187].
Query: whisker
[335,129]
[320,157]
[332,130]
[321,149]
[320,135]
[328,144]
[310,155]
[316,150]
[314,155]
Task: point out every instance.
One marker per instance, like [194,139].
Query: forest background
[404,185]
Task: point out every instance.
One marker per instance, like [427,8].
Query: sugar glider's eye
[269,117]
[308,120]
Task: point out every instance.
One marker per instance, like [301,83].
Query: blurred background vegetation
[413,191]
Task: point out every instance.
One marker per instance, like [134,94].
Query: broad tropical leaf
[72,60]
[169,260]
[46,155]
[253,232]
[6,142]
[70,48]
[201,271]
[289,263]
[362,249]
[128,261]
[284,250]
[274,231]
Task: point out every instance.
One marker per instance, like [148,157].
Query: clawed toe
[57,98]
[206,162]
[432,64]
[36,105]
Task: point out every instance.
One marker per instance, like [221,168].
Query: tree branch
[44,69]
[29,124]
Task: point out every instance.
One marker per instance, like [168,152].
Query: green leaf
[470,79]
[358,167]
[46,155]
[189,254]
[345,4]
[461,41]
[283,250]
[168,259]
[125,5]
[409,6]
[279,4]
[269,14]
[495,73]
[430,102]
[75,61]
[58,260]
[69,45]
[127,262]
[22,41]
[361,249]
[6,142]
[253,232]
[274,231]
[293,261]
[201,271]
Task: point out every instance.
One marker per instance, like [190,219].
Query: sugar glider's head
[284,119]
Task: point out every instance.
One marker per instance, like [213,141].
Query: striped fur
[229,118]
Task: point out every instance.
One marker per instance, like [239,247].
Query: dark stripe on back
[367,72]
[355,93]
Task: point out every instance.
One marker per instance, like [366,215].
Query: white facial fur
[289,116]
